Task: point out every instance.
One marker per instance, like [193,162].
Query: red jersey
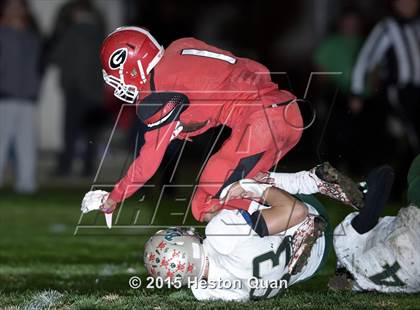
[221,88]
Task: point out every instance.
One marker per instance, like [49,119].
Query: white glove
[93,200]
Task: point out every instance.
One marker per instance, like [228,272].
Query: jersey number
[274,257]
[208,54]
[389,272]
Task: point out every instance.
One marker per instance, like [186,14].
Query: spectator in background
[336,55]
[394,47]
[75,48]
[20,51]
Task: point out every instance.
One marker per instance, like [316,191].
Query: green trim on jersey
[311,200]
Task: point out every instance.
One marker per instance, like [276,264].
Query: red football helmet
[128,55]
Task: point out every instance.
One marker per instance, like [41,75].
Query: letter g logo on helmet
[118,58]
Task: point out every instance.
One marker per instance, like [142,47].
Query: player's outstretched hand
[93,200]
[99,200]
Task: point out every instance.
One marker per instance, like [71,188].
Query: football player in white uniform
[381,254]
[254,254]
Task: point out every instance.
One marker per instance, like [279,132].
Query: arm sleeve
[146,164]
[370,55]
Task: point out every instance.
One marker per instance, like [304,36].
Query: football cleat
[332,183]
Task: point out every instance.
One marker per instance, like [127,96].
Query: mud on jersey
[386,258]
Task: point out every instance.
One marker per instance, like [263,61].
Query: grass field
[44,265]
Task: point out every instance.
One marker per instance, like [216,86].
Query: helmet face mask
[175,254]
[128,55]
[124,92]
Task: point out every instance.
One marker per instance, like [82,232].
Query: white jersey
[238,257]
[385,259]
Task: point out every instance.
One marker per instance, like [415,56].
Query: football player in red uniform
[184,90]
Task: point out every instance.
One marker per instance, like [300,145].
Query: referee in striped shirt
[394,44]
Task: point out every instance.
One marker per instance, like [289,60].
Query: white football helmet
[175,253]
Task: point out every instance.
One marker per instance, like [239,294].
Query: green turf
[44,265]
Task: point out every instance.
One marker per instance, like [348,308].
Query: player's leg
[221,166]
[323,179]
[253,146]
[379,183]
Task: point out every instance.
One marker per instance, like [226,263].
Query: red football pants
[256,144]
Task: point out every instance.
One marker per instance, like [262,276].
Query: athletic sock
[379,187]
[303,182]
